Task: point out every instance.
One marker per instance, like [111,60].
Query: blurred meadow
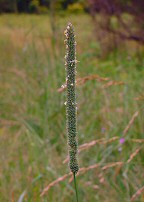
[33,142]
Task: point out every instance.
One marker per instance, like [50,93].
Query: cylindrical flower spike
[71,109]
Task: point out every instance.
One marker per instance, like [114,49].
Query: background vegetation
[32,112]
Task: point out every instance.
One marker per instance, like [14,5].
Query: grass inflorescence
[71,98]
[71,105]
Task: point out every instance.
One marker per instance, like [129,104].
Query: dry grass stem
[139,192]
[60,179]
[81,81]
[85,169]
[7,123]
[100,141]
[130,122]
[138,140]
[139,98]
[110,165]
[90,144]
[133,155]
[113,83]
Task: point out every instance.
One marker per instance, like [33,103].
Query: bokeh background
[110,72]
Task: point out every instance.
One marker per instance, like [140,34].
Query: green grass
[32,112]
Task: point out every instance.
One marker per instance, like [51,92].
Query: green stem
[76,190]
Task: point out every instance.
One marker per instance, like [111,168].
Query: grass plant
[32,114]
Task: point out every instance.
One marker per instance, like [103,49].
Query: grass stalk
[76,188]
